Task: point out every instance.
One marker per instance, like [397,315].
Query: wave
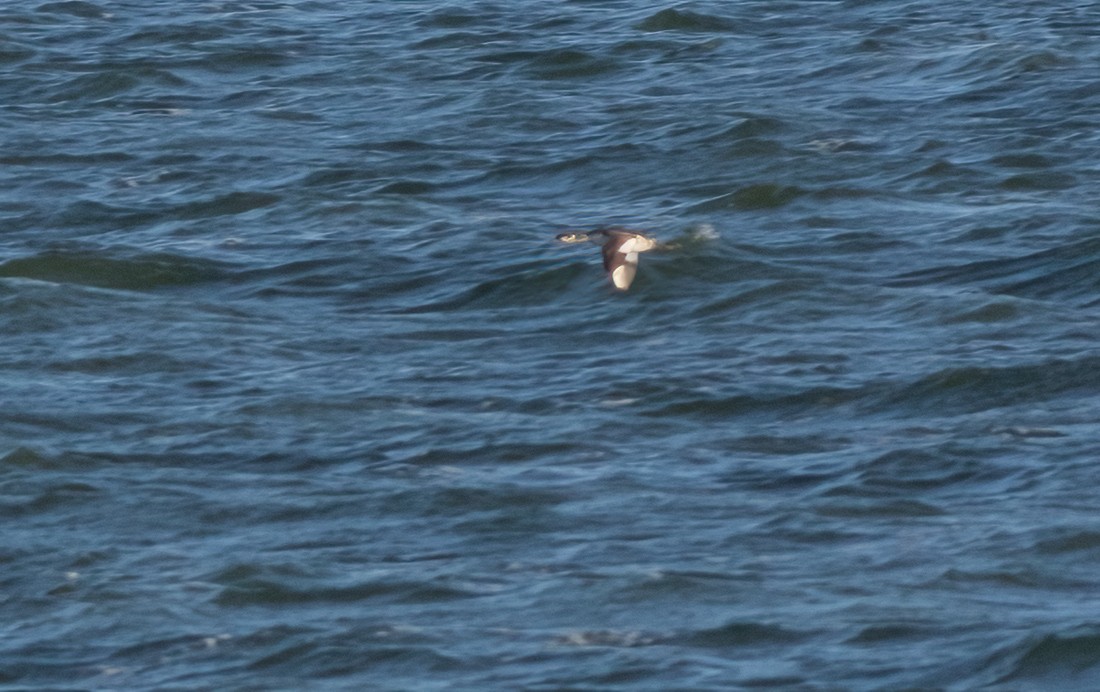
[744,634]
[46,497]
[247,584]
[750,197]
[1067,659]
[673,19]
[138,272]
[569,62]
[1067,272]
[943,392]
[74,8]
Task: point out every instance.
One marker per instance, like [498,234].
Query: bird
[620,250]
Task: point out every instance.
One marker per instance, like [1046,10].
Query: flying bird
[620,250]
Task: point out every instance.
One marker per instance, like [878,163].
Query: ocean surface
[297,390]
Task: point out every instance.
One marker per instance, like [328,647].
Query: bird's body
[620,251]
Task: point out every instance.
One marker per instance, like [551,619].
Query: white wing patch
[620,257]
[624,269]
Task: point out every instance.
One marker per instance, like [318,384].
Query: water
[298,392]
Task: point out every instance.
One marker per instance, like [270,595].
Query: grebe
[620,250]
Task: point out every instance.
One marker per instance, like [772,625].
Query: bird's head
[572,237]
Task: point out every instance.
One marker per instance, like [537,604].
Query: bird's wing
[621,266]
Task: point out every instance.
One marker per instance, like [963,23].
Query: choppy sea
[297,391]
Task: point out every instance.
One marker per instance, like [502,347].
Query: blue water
[298,392]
